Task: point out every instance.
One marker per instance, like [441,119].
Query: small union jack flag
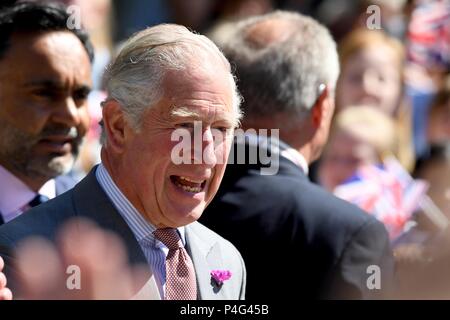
[386,191]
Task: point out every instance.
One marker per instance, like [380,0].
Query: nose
[208,146]
[67,113]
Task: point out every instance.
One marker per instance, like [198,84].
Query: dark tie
[38,200]
[181,283]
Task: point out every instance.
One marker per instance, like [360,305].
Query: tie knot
[38,200]
[170,238]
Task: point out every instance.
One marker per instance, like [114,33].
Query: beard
[16,148]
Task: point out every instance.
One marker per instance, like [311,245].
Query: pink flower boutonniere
[220,276]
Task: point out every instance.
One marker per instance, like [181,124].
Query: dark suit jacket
[87,200]
[296,237]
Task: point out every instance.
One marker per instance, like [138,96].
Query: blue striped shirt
[154,250]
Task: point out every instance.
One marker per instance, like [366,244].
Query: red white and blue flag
[386,191]
[429,34]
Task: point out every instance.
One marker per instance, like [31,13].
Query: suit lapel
[91,202]
[206,256]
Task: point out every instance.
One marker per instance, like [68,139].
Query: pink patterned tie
[180,275]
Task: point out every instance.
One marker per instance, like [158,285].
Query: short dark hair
[37,17]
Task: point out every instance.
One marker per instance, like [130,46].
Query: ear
[114,124]
[320,108]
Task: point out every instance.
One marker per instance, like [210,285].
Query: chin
[183,218]
[52,168]
[62,165]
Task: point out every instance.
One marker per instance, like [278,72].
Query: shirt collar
[285,150]
[15,194]
[297,158]
[141,228]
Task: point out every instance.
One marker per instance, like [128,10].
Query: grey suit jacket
[208,250]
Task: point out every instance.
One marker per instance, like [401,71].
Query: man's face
[44,82]
[170,194]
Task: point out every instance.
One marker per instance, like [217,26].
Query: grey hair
[284,77]
[134,78]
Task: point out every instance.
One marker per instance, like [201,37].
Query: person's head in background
[371,71]
[45,77]
[372,74]
[287,66]
[360,135]
[95,18]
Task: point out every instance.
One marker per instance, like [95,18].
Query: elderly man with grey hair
[293,235]
[165,80]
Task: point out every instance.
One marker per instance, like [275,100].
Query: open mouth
[188,184]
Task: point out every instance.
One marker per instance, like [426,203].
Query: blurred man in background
[45,78]
[293,235]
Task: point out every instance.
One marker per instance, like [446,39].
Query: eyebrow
[184,113]
[188,114]
[55,85]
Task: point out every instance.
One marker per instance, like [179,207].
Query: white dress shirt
[15,195]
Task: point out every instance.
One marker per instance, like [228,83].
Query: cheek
[36,125]
[147,172]
[388,105]
[33,123]
[221,151]
[219,171]
[391,97]
[152,159]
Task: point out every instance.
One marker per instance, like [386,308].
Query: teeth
[190,180]
[189,189]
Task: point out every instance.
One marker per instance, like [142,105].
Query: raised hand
[5,293]
[89,263]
